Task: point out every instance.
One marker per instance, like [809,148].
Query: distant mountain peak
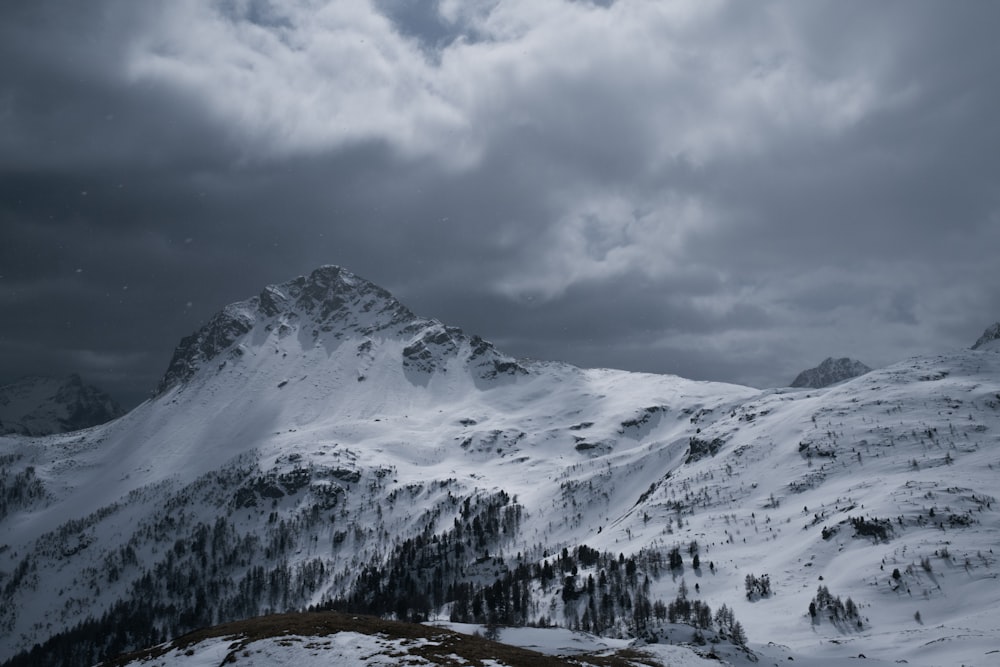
[37,405]
[830,371]
[990,340]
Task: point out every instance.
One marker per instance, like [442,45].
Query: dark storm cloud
[720,190]
[65,103]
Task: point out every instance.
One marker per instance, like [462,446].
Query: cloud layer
[716,189]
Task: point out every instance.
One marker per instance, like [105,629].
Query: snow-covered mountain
[830,372]
[990,340]
[321,446]
[46,405]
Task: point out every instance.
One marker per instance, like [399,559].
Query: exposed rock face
[831,371]
[43,405]
[990,340]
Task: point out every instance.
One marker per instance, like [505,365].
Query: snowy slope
[321,445]
[914,445]
[44,405]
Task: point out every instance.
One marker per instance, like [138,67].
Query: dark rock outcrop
[831,371]
[990,340]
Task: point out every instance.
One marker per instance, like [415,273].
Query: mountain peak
[990,340]
[324,310]
[326,292]
[330,300]
[830,371]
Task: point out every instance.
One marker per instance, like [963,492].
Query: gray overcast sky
[721,190]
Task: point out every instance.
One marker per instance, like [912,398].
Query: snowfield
[345,648]
[320,442]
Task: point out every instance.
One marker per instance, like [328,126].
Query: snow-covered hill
[45,405]
[990,340]
[319,445]
[829,372]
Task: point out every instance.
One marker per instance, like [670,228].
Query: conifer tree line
[205,573]
[19,489]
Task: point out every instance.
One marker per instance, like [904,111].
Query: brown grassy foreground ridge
[446,646]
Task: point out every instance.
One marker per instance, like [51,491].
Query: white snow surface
[595,456]
[550,641]
[349,649]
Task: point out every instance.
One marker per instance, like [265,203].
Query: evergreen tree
[737,634]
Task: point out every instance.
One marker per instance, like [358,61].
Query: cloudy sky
[722,190]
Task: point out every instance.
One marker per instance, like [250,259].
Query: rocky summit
[830,372]
[990,340]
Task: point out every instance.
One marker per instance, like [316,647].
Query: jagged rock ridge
[990,340]
[38,406]
[831,371]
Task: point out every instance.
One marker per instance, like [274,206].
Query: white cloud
[685,75]
[567,85]
[562,89]
[324,75]
[733,177]
[606,236]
